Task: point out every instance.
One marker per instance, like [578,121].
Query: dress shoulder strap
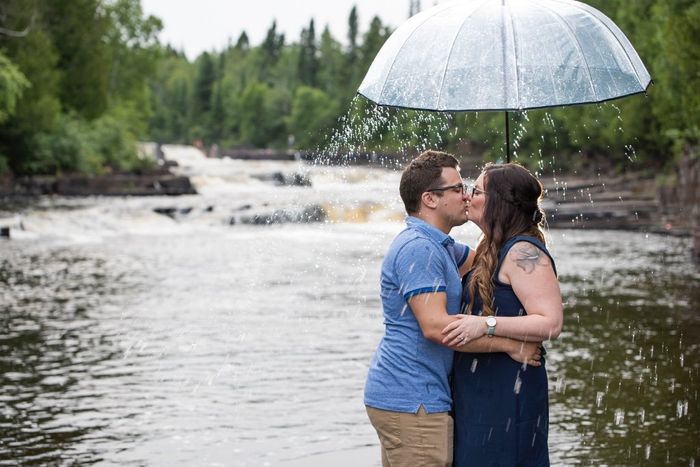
[509,244]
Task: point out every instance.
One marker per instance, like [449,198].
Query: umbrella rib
[580,49]
[515,58]
[624,49]
[449,56]
[398,52]
[549,66]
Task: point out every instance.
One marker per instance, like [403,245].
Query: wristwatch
[491,323]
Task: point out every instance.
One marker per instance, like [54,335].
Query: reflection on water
[629,358]
[54,353]
[249,346]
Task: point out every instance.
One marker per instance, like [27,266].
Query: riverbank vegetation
[77,102]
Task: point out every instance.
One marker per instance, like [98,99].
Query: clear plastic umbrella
[507,55]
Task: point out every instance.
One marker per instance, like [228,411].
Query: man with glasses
[407,393]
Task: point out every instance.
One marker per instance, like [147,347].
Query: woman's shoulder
[525,253]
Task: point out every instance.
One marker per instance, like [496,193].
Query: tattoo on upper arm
[527,256]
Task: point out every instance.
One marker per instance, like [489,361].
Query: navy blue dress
[501,409]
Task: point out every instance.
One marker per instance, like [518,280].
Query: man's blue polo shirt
[408,370]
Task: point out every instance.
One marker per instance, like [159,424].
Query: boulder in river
[309,214]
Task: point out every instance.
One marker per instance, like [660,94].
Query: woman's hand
[464,329]
[527,353]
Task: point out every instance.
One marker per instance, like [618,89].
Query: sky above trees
[207,25]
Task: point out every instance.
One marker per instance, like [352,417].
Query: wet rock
[280,179]
[155,183]
[173,212]
[309,214]
[616,203]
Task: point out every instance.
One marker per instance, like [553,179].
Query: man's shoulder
[411,240]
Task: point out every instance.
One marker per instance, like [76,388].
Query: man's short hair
[421,174]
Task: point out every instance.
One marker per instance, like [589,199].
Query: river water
[129,337]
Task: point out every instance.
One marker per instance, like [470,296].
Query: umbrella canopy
[505,55]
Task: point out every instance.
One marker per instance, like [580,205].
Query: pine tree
[308,56]
[204,90]
[242,43]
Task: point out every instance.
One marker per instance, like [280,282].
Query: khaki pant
[414,440]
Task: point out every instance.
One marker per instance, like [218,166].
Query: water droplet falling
[681,409]
[619,417]
[560,385]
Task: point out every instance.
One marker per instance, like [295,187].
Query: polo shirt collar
[430,231]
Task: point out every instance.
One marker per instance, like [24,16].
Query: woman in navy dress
[501,406]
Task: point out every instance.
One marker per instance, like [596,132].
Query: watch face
[490,321]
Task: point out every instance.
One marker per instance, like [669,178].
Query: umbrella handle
[507,137]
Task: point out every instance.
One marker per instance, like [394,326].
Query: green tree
[352,73]
[271,49]
[331,64]
[262,116]
[87,63]
[171,91]
[12,85]
[77,29]
[374,38]
[308,56]
[203,89]
[677,68]
[135,51]
[38,109]
[313,115]
[243,44]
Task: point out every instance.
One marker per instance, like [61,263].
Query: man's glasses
[458,188]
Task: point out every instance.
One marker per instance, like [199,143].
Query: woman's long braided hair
[512,207]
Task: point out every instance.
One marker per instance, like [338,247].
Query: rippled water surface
[249,345]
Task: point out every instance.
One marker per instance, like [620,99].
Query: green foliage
[66,149]
[86,100]
[271,49]
[12,85]
[114,136]
[78,145]
[203,87]
[84,58]
[262,110]
[308,56]
[313,115]
[4,165]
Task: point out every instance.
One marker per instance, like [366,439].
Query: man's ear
[429,199]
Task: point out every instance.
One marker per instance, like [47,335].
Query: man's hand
[527,353]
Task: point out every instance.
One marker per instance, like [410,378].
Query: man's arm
[430,309]
[467,264]
[529,353]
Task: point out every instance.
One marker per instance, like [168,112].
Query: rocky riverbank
[630,202]
[158,182]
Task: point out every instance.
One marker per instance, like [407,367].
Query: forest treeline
[82,80]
